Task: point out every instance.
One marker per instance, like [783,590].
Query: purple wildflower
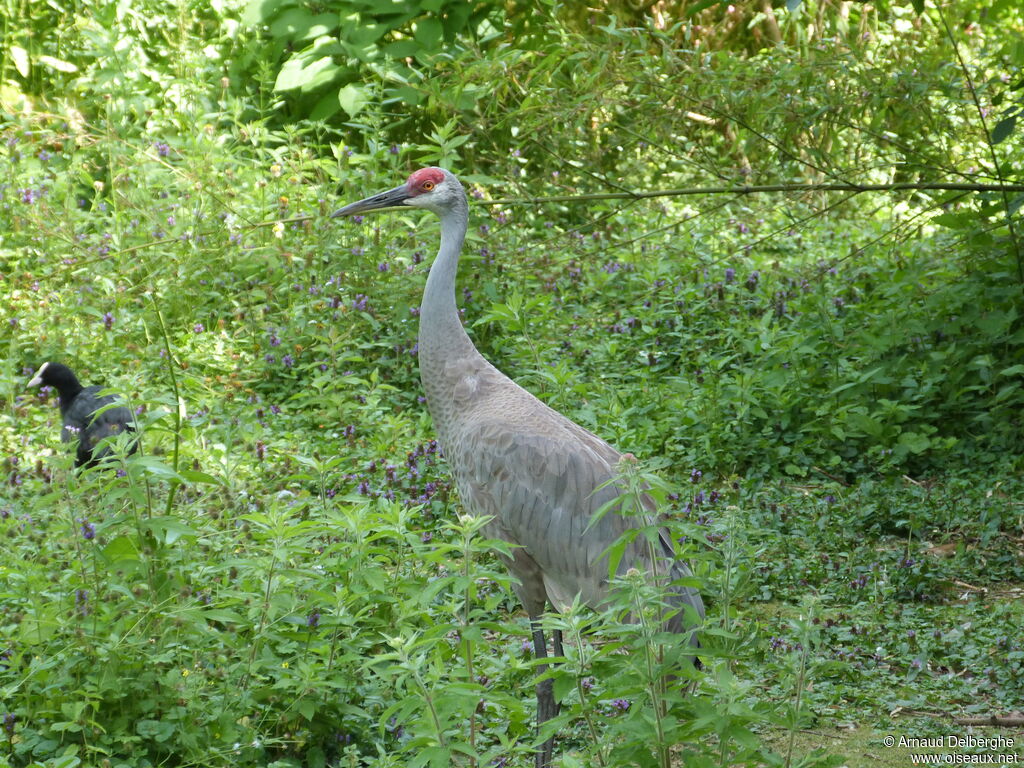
[108,320]
[82,601]
[198,328]
[288,361]
[88,530]
[621,705]
[313,620]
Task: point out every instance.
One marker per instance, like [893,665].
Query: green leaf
[194,476]
[58,64]
[352,99]
[914,442]
[306,707]
[429,33]
[154,467]
[293,24]
[217,614]
[20,56]
[792,5]
[260,11]
[1003,128]
[120,550]
[918,6]
[294,74]
[169,529]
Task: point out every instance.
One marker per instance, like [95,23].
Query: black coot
[78,405]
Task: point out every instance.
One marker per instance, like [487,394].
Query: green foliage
[281,575]
[324,57]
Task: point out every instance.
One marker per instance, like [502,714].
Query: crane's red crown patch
[424,180]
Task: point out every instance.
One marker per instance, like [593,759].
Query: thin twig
[919,186]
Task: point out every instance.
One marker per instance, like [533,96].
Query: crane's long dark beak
[390,199]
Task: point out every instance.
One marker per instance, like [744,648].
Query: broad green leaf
[297,24]
[121,549]
[1003,128]
[352,99]
[58,64]
[429,33]
[260,11]
[194,476]
[20,56]
[295,75]
[792,5]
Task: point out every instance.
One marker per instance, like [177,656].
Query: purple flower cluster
[82,601]
[618,706]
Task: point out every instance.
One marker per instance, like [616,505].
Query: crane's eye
[426,186]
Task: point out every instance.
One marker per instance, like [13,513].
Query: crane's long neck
[443,341]
[441,331]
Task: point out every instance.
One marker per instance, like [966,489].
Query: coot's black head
[58,376]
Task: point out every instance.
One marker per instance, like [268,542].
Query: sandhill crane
[87,415]
[538,476]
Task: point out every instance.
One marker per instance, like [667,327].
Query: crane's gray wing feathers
[542,484]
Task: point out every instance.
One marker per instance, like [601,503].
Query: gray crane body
[538,476]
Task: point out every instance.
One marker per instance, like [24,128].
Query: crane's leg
[557,639]
[547,707]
